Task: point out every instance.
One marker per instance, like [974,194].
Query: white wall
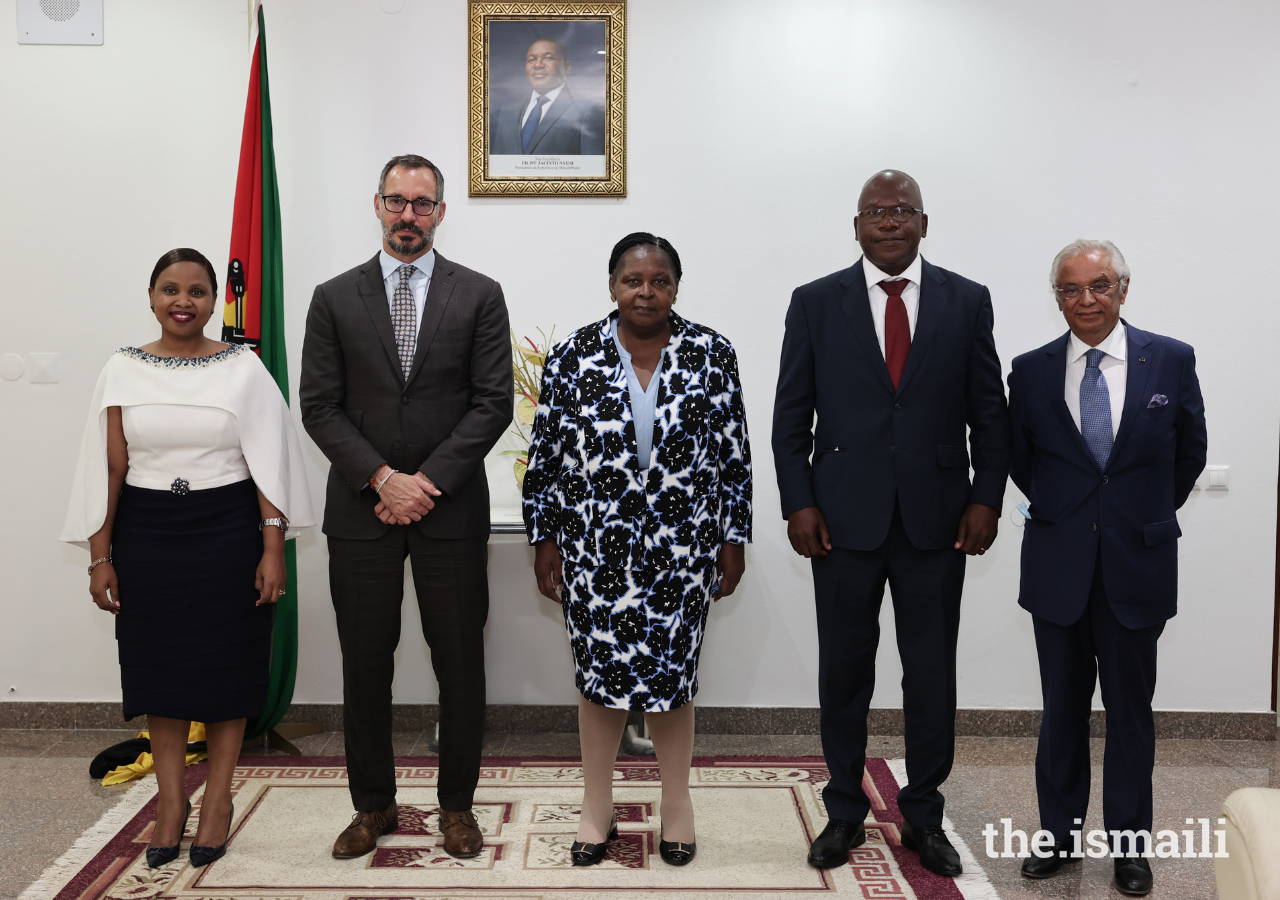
[751,128]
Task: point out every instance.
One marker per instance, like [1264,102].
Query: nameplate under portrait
[547,99]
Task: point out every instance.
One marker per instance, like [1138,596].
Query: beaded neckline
[180,362]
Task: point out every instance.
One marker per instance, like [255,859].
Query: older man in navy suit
[895,356]
[1108,439]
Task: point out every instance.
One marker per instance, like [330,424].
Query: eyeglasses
[899,214]
[421,207]
[1075,291]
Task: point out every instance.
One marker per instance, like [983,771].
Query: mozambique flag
[254,315]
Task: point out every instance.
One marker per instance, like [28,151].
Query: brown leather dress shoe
[361,836]
[462,836]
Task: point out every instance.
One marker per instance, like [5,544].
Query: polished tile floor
[47,798]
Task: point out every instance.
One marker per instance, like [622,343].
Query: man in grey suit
[549,121]
[406,385]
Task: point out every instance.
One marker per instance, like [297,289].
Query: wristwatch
[282,523]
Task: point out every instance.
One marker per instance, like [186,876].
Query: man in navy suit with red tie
[1108,439]
[896,358]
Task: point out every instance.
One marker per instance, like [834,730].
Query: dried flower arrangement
[527,359]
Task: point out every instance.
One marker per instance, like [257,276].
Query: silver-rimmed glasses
[875,214]
[1099,289]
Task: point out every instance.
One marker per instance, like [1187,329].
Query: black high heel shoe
[162,856]
[202,856]
[676,853]
[584,854]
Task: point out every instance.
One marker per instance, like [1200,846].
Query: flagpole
[254,317]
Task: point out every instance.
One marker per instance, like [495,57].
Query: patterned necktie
[405,320]
[1095,409]
[897,329]
[531,125]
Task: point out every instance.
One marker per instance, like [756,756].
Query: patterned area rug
[756,817]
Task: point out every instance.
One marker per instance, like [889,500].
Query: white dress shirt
[879,299]
[419,279]
[1114,369]
[533,101]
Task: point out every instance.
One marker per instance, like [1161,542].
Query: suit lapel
[374,293]
[438,294]
[1055,385]
[1138,363]
[933,299]
[557,109]
[857,308]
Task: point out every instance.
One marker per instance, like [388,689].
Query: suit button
[1105,479]
[404,399]
[1093,526]
[897,407]
[893,449]
[395,445]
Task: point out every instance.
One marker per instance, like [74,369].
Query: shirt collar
[550,95]
[426,263]
[874,276]
[1115,345]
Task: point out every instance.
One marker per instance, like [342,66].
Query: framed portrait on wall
[548,104]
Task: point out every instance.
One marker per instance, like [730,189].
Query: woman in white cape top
[190,474]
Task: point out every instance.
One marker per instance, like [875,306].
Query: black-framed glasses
[899,214]
[421,207]
[1099,289]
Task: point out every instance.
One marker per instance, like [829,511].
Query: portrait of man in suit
[895,358]
[406,385]
[1109,437]
[547,118]
[543,114]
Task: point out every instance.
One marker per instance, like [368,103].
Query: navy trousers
[848,589]
[1096,647]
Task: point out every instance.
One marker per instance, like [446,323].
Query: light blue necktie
[531,125]
[1095,409]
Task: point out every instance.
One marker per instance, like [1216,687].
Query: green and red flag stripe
[254,315]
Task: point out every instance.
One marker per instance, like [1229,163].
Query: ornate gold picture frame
[547,105]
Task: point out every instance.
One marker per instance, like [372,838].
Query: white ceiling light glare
[59,21]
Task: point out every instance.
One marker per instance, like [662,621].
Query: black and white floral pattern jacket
[584,487]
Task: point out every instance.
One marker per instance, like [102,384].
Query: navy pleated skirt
[192,643]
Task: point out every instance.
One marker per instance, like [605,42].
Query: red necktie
[897,330]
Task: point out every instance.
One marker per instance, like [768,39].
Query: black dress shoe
[1133,876]
[1047,866]
[585,854]
[162,856]
[831,848]
[936,853]
[676,853]
[202,856]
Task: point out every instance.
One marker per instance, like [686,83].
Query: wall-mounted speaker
[59,21]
